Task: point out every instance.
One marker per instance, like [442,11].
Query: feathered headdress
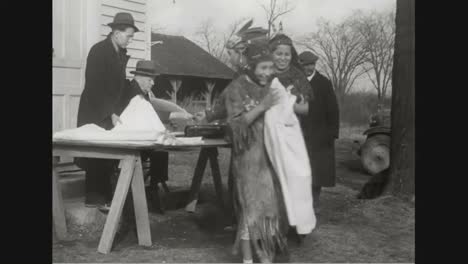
[246,35]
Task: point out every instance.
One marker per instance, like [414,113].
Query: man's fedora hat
[123,18]
[307,57]
[145,68]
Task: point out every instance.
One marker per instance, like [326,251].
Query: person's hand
[271,99]
[116,120]
[200,116]
[173,124]
[301,100]
[151,95]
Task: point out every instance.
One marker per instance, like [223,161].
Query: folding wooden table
[131,173]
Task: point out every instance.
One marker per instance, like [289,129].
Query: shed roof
[176,55]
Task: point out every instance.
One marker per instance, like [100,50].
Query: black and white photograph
[233,131]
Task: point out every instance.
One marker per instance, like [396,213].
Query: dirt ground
[348,230]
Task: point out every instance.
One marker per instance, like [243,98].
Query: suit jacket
[104,84]
[323,114]
[322,128]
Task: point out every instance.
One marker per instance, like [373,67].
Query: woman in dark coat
[99,103]
[323,118]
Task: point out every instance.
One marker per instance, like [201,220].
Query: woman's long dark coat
[322,130]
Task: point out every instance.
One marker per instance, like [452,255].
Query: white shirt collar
[311,76]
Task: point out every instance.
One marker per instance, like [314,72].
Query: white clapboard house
[77,26]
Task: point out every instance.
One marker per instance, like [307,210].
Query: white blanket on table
[287,151]
[140,122]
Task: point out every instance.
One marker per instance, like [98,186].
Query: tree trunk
[402,118]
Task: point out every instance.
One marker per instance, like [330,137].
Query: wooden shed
[187,70]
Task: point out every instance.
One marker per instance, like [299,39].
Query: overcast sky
[184,16]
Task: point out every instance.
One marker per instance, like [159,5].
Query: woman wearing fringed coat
[260,209]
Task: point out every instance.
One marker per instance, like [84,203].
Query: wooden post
[60,224]
[197,180]
[175,83]
[206,154]
[120,194]
[210,84]
[215,172]
[140,205]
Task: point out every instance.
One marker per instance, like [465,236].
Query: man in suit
[142,84]
[323,127]
[99,103]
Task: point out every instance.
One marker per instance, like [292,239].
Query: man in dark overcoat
[142,84]
[99,104]
[323,127]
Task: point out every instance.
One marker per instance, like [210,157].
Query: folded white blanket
[139,115]
[140,122]
[287,151]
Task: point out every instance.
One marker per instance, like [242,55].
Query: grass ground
[348,230]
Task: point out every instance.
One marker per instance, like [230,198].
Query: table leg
[141,208]
[60,224]
[218,184]
[120,194]
[197,179]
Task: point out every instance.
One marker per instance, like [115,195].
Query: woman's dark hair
[282,39]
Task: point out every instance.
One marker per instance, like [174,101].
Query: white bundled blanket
[287,151]
[139,115]
[140,122]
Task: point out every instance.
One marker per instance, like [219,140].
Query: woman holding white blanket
[261,211]
[288,154]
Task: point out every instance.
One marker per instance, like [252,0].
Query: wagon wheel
[375,153]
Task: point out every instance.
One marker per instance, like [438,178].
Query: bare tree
[156,28]
[208,38]
[231,31]
[378,31]
[213,41]
[274,10]
[341,52]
